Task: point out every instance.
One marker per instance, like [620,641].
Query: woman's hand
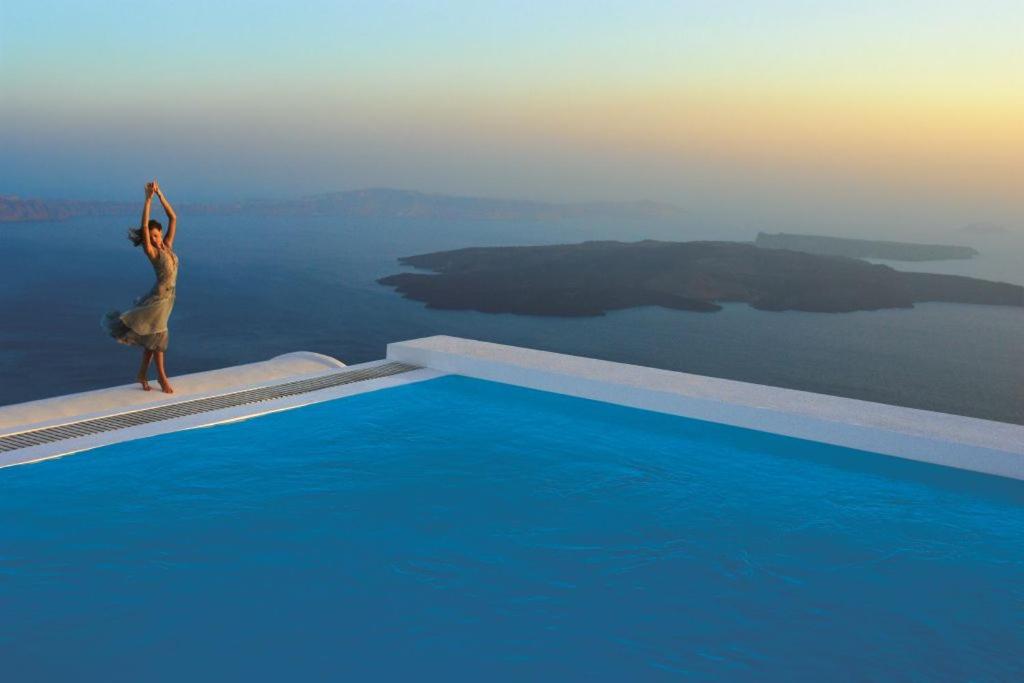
[172,218]
[150,189]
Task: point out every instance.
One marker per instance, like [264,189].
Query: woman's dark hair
[135,234]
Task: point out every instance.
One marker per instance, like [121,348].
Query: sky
[772,112]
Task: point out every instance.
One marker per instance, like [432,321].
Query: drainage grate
[35,437]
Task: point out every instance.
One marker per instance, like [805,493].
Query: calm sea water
[254,287]
[546,538]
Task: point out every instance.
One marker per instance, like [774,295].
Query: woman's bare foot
[161,373]
[141,379]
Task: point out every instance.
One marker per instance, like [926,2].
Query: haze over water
[876,120]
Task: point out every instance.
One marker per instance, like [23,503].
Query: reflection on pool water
[463,530]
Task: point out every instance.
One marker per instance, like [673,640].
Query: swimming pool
[461,529]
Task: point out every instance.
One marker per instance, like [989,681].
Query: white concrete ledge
[74,407]
[979,445]
[968,443]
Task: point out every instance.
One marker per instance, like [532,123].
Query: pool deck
[984,446]
[130,396]
[122,403]
[939,438]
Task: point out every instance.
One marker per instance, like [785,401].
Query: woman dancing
[146,324]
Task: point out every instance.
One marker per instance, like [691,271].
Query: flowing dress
[146,324]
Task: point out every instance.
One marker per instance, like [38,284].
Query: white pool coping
[113,400]
[88,405]
[968,443]
[995,448]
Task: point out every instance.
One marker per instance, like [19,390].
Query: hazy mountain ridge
[862,248]
[14,209]
[373,202]
[591,278]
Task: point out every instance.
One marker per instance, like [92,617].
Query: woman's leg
[144,369]
[161,373]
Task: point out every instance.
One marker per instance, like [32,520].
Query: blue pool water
[462,530]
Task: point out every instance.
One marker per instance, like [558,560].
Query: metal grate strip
[36,437]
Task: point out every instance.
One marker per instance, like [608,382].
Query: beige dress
[146,324]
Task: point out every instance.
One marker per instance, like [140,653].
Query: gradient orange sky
[910,110]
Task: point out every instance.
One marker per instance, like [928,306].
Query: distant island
[375,202]
[591,278]
[856,248]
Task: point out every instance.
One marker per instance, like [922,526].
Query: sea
[252,287]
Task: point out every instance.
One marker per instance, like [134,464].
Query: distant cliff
[841,246]
[15,209]
[378,203]
[594,277]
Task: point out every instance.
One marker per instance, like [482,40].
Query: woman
[146,324]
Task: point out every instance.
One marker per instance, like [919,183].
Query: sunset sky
[901,111]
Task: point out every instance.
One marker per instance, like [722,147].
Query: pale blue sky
[681,101]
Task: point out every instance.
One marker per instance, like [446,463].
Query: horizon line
[377,188]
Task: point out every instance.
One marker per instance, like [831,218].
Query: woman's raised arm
[172,218]
[147,243]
